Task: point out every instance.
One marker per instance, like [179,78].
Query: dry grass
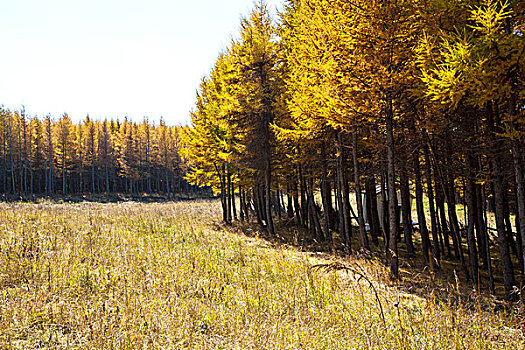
[163,276]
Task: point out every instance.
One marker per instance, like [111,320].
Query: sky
[112,58]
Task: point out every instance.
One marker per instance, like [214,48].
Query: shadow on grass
[448,284]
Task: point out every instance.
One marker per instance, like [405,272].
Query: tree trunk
[433,222]
[345,209]
[481,228]
[315,224]
[481,202]
[229,193]
[278,203]
[241,203]
[339,202]
[234,205]
[510,234]
[167,175]
[406,208]
[440,203]
[289,203]
[420,210]
[392,196]
[246,204]
[517,157]
[220,173]
[499,189]
[358,195]
[385,217]
[304,199]
[257,204]
[268,182]
[326,196]
[373,215]
[93,173]
[508,271]
[519,175]
[297,206]
[471,238]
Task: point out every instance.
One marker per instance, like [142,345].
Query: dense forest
[399,102]
[45,157]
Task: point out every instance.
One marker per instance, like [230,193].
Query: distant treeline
[46,157]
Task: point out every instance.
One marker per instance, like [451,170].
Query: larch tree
[477,69]
[255,60]
[64,149]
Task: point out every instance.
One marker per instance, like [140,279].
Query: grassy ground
[135,276]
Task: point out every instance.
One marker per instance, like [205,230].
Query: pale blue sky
[112,58]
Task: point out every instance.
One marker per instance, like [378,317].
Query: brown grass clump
[163,276]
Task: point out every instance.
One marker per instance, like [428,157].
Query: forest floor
[168,275]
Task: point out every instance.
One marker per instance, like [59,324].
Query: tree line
[345,112]
[46,157]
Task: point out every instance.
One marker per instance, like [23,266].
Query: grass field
[166,276]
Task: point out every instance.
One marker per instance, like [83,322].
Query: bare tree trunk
[344,209]
[268,186]
[406,208]
[315,224]
[241,203]
[257,204]
[228,192]
[510,234]
[359,199]
[499,189]
[227,195]
[508,271]
[385,217]
[304,199]
[277,196]
[234,206]
[433,223]
[225,216]
[167,175]
[289,203]
[420,210]
[326,195]
[471,238]
[484,233]
[519,174]
[454,222]
[392,196]
[297,206]
[517,157]
[246,205]
[440,204]
[519,240]
[339,208]
[373,215]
